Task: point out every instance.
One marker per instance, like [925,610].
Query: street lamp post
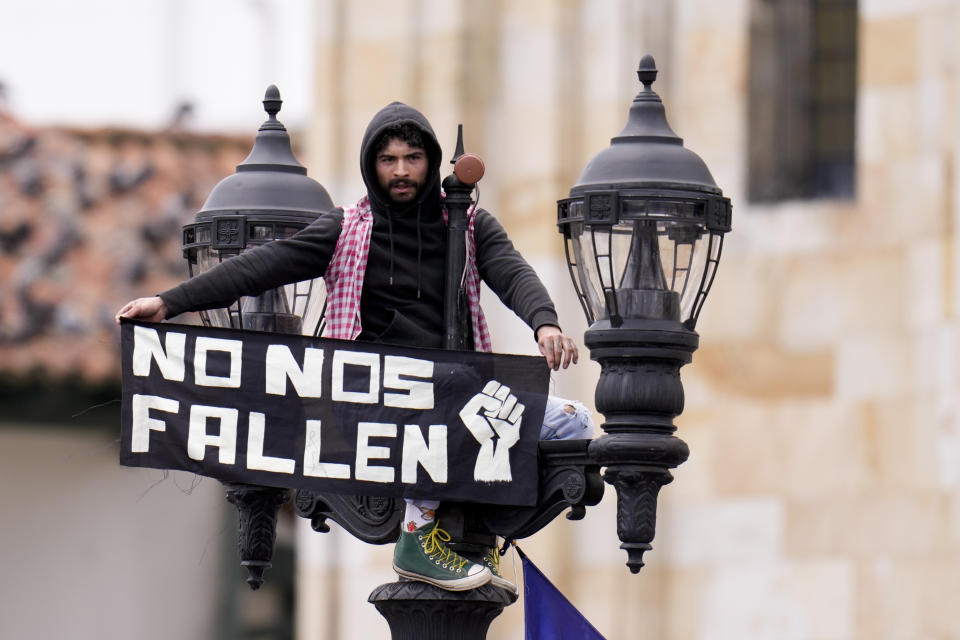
[643,229]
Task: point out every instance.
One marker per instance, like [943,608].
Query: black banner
[332,415]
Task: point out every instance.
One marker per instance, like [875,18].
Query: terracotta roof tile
[88,220]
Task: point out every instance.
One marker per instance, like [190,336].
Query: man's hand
[501,416]
[148,309]
[558,349]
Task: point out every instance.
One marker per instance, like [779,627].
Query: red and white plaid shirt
[344,277]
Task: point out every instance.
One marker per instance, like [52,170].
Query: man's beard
[411,195]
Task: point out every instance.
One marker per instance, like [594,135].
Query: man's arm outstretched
[516,283]
[303,256]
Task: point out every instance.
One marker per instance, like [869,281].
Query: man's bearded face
[401,170]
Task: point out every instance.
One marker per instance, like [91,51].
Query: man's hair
[406,131]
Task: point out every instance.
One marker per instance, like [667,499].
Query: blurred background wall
[116,120]
[821,496]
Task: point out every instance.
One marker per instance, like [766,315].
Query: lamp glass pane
[587,270]
[714,247]
[260,233]
[632,207]
[309,297]
[269,311]
[687,245]
[659,263]
[207,259]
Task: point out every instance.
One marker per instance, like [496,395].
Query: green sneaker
[492,561]
[423,555]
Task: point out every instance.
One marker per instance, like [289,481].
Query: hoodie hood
[393,114]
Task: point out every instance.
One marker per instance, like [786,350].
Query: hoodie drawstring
[390,234]
[419,251]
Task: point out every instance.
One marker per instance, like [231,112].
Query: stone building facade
[821,496]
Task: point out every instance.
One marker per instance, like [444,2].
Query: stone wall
[821,408]
[821,495]
[91,549]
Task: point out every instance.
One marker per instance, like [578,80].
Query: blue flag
[548,615]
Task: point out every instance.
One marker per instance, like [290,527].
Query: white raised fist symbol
[493,412]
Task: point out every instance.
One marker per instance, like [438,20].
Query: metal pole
[458,186]
[416,610]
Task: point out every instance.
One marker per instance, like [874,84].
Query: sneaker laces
[493,560]
[434,545]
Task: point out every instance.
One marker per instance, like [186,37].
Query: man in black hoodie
[393,293]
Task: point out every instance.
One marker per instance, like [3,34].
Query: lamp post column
[639,393]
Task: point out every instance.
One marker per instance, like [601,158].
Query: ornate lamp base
[420,611]
[639,393]
[257,508]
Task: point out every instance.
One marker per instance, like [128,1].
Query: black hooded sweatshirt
[403,288]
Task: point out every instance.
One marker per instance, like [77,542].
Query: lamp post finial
[647,71]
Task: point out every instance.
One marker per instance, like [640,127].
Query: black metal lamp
[643,230]
[268,198]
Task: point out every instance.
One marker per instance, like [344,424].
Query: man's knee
[565,420]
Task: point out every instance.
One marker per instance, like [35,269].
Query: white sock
[419,513]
